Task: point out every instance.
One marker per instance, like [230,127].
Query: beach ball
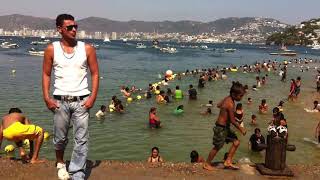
[26,142]
[46,135]
[138,97]
[169,73]
[111,110]
[157,92]
[9,148]
[129,99]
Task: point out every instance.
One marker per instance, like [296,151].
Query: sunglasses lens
[69,28]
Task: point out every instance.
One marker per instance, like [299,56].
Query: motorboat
[230,50]
[316,47]
[141,46]
[96,46]
[42,41]
[8,45]
[35,52]
[204,47]
[170,50]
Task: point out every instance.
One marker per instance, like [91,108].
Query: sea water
[127,136]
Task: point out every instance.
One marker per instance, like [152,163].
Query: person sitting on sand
[263,107]
[239,114]
[102,112]
[16,127]
[222,132]
[195,158]
[155,157]
[154,120]
[255,140]
[253,119]
[208,111]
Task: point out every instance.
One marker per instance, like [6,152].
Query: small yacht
[316,46]
[42,41]
[141,46]
[36,52]
[8,45]
[229,50]
[204,47]
[170,50]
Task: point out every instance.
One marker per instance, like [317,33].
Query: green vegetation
[303,35]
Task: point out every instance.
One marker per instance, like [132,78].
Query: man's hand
[88,104]
[51,104]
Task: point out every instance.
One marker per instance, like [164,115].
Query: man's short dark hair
[61,17]
[15,110]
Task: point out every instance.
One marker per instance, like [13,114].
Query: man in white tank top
[70,59]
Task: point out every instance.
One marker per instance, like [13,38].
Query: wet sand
[13,169]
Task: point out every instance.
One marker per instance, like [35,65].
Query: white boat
[230,50]
[316,46]
[106,39]
[96,46]
[203,47]
[43,40]
[170,50]
[8,45]
[35,52]
[124,40]
[141,46]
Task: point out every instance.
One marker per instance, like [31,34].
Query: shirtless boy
[222,131]
[16,127]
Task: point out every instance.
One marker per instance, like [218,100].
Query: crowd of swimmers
[16,118]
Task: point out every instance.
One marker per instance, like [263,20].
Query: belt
[70,98]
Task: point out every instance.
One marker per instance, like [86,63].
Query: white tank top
[70,71]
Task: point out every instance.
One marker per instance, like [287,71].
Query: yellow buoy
[129,99]
[157,92]
[138,97]
[9,148]
[111,110]
[46,135]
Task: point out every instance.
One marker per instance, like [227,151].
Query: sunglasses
[70,27]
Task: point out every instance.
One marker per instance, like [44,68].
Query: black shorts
[222,135]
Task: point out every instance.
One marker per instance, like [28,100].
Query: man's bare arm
[46,77]
[94,70]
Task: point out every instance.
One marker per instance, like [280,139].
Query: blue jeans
[67,113]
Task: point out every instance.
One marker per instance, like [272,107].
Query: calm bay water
[127,136]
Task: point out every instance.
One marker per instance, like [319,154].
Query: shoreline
[109,169]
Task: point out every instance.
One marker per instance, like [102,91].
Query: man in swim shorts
[222,132]
[16,127]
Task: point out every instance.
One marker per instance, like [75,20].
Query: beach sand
[13,169]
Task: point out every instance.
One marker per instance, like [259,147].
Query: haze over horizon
[287,11]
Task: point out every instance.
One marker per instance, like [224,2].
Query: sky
[287,11]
